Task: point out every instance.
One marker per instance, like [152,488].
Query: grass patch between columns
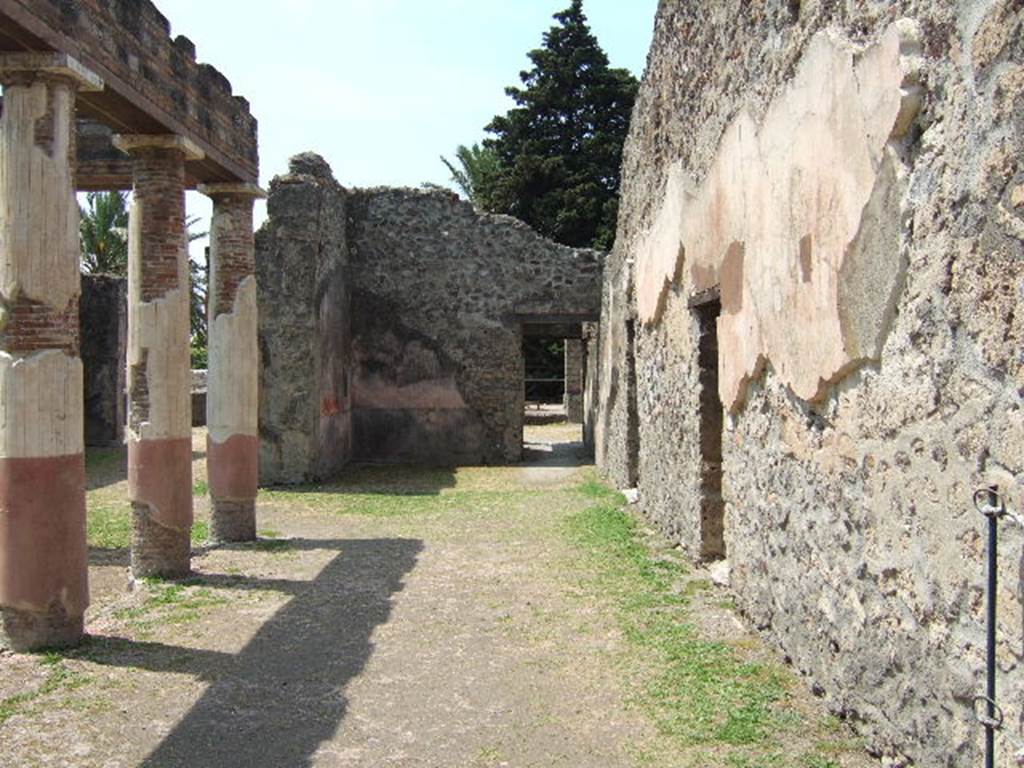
[59,678]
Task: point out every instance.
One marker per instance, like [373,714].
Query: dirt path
[398,618]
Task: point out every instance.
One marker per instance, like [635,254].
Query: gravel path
[434,618]
[436,636]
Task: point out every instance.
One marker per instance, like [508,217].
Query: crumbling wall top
[153,83]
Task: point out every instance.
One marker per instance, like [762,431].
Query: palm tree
[479,168]
[104,233]
[104,240]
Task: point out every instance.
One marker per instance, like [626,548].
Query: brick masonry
[44,579]
[159,376]
[153,81]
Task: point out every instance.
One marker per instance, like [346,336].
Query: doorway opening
[711,422]
[544,378]
[632,412]
[550,437]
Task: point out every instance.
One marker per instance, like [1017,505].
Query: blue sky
[381,88]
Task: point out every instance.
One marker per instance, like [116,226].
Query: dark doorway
[711,423]
[544,360]
[632,413]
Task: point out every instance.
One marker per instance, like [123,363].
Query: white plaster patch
[39,250]
[155,331]
[40,405]
[796,220]
[232,397]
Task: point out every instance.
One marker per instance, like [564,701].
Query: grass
[355,499]
[170,603]
[59,678]
[110,527]
[698,691]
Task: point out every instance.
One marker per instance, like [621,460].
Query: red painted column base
[160,486]
[25,631]
[44,571]
[234,477]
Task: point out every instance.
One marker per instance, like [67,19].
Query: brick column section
[574,381]
[43,556]
[159,429]
[232,443]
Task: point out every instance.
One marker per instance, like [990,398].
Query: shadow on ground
[570,454]
[386,479]
[119,557]
[277,700]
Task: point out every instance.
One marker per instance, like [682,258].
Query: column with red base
[159,429]
[232,446]
[43,557]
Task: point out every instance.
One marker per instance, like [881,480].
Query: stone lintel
[229,189]
[58,65]
[553,330]
[133,142]
[707,296]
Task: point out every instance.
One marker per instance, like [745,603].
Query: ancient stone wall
[573,396]
[103,318]
[305,377]
[846,177]
[390,324]
[438,293]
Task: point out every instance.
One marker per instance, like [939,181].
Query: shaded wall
[438,293]
[403,309]
[103,320]
[305,376]
[851,185]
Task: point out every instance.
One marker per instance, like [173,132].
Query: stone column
[159,430]
[574,380]
[232,443]
[43,556]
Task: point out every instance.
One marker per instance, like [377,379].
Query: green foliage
[199,355]
[544,363]
[478,168]
[702,691]
[103,232]
[559,151]
[109,527]
[198,294]
[200,532]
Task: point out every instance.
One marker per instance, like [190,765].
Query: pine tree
[560,149]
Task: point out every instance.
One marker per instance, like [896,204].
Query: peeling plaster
[152,325]
[38,229]
[797,219]
[232,379]
[40,405]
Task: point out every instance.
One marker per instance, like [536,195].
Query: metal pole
[990,504]
[990,619]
